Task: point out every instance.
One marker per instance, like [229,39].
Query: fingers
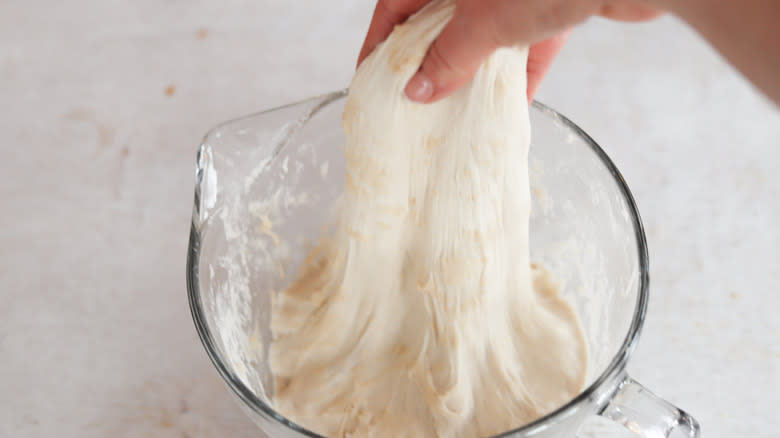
[540,58]
[478,28]
[387,14]
[452,60]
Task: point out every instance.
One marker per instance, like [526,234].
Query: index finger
[387,14]
[540,58]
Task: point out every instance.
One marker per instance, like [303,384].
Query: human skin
[745,32]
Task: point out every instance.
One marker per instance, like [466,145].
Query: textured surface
[102,105]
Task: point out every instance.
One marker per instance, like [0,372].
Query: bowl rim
[610,375]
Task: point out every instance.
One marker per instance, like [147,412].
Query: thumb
[452,60]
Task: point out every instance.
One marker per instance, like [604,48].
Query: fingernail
[419,88]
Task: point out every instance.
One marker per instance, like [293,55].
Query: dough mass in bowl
[421,316]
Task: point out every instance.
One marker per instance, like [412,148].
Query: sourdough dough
[421,316]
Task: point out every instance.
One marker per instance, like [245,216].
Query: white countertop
[97,163]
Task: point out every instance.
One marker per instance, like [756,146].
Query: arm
[745,32]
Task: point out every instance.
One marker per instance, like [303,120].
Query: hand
[481,26]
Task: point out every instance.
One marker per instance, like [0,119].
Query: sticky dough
[421,316]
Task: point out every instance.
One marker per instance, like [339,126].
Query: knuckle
[438,61]
[489,22]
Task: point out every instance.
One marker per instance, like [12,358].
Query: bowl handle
[648,415]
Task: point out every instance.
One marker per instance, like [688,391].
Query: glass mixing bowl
[266,185]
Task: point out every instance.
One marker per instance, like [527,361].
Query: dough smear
[421,316]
